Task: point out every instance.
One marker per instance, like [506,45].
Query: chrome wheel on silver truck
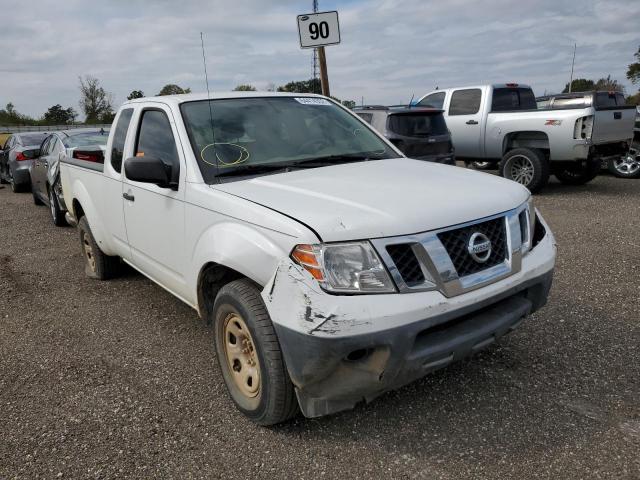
[526,166]
[627,166]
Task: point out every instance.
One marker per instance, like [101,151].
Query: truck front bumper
[341,350]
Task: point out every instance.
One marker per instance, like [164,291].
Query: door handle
[126,196]
[472,122]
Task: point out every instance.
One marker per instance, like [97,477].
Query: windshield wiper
[258,168]
[251,169]
[332,159]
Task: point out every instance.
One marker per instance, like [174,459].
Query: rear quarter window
[465,102]
[367,117]
[119,137]
[510,99]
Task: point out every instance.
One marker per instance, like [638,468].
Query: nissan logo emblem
[479,247]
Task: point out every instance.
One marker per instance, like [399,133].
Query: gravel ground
[119,379]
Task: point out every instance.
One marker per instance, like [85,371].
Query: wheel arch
[228,251]
[526,139]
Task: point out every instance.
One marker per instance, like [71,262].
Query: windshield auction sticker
[312,101]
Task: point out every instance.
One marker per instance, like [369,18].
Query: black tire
[527,166]
[627,166]
[15,187]
[102,267]
[36,199]
[275,400]
[577,173]
[57,214]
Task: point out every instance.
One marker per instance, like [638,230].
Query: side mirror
[149,170]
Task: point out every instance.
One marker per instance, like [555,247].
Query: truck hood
[381,198]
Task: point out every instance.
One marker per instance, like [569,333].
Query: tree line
[97,104]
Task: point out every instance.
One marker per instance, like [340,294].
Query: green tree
[349,103]
[10,116]
[96,103]
[580,85]
[135,94]
[57,115]
[173,89]
[609,84]
[244,88]
[302,86]
[633,72]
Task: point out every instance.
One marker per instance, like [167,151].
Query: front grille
[456,243]
[406,263]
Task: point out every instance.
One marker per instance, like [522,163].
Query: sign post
[316,30]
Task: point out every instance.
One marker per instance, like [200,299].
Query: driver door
[154,216]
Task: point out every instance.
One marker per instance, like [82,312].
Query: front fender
[249,250]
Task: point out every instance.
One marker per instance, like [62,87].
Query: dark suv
[420,133]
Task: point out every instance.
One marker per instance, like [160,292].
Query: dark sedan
[16,158]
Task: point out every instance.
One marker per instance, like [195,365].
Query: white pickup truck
[332,268]
[503,124]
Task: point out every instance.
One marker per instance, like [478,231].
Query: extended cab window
[465,102]
[609,99]
[119,136]
[435,100]
[156,140]
[510,99]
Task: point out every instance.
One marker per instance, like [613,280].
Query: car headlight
[352,267]
[527,220]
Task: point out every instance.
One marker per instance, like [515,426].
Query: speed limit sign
[318,29]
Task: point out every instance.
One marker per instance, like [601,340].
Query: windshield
[86,139]
[264,132]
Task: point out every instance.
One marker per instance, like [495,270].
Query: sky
[391,50]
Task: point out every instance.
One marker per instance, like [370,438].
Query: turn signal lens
[305,255]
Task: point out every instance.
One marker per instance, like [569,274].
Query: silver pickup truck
[503,124]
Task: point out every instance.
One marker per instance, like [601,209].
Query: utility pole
[324,77]
[572,63]
[315,53]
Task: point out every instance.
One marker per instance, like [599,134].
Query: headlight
[527,220]
[345,267]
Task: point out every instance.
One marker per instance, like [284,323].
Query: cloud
[391,49]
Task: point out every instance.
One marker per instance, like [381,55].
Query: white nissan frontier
[331,267]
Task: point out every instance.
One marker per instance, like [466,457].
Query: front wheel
[577,173]
[627,166]
[249,355]
[526,166]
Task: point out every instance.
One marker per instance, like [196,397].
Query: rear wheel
[577,173]
[483,165]
[627,166]
[527,166]
[98,265]
[249,355]
[57,214]
[36,198]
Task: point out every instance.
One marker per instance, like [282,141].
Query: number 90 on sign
[318,29]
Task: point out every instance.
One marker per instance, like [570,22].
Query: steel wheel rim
[629,164]
[88,251]
[521,169]
[241,356]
